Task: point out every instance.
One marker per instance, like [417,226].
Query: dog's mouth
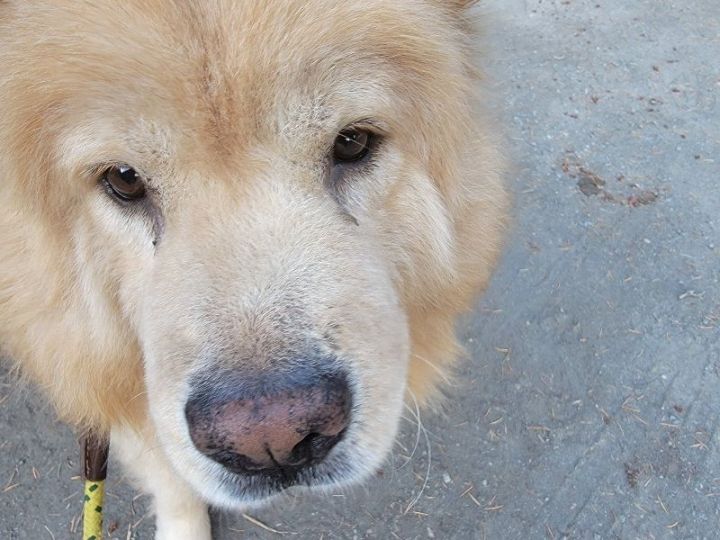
[258,487]
[347,464]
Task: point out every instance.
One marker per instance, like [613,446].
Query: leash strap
[96,452]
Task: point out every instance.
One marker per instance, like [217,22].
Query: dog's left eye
[351,145]
[124,183]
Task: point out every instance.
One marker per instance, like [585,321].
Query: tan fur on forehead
[194,89]
[209,61]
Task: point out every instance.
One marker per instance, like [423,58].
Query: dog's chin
[242,491]
[249,491]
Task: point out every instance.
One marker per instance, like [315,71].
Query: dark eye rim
[115,193]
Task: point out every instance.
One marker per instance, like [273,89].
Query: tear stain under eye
[352,219]
[336,182]
[344,213]
[158,227]
[145,208]
[152,213]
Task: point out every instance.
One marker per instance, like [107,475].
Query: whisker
[434,367]
[418,424]
[429,455]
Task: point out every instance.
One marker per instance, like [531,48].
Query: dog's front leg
[180,513]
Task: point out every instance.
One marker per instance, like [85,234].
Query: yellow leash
[92,510]
[96,456]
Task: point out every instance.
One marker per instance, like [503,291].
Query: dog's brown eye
[351,145]
[124,182]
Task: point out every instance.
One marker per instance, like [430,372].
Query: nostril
[301,454]
[235,462]
[313,449]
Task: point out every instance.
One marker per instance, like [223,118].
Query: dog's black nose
[273,426]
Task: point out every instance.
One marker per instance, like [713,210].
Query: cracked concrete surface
[589,406]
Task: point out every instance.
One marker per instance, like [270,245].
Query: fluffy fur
[249,248]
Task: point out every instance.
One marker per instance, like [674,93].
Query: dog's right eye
[351,145]
[124,183]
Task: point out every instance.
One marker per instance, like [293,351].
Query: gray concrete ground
[590,405]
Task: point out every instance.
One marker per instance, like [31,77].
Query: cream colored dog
[235,235]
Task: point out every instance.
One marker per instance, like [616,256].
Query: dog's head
[278,208]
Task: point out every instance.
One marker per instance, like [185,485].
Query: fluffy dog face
[249,189]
